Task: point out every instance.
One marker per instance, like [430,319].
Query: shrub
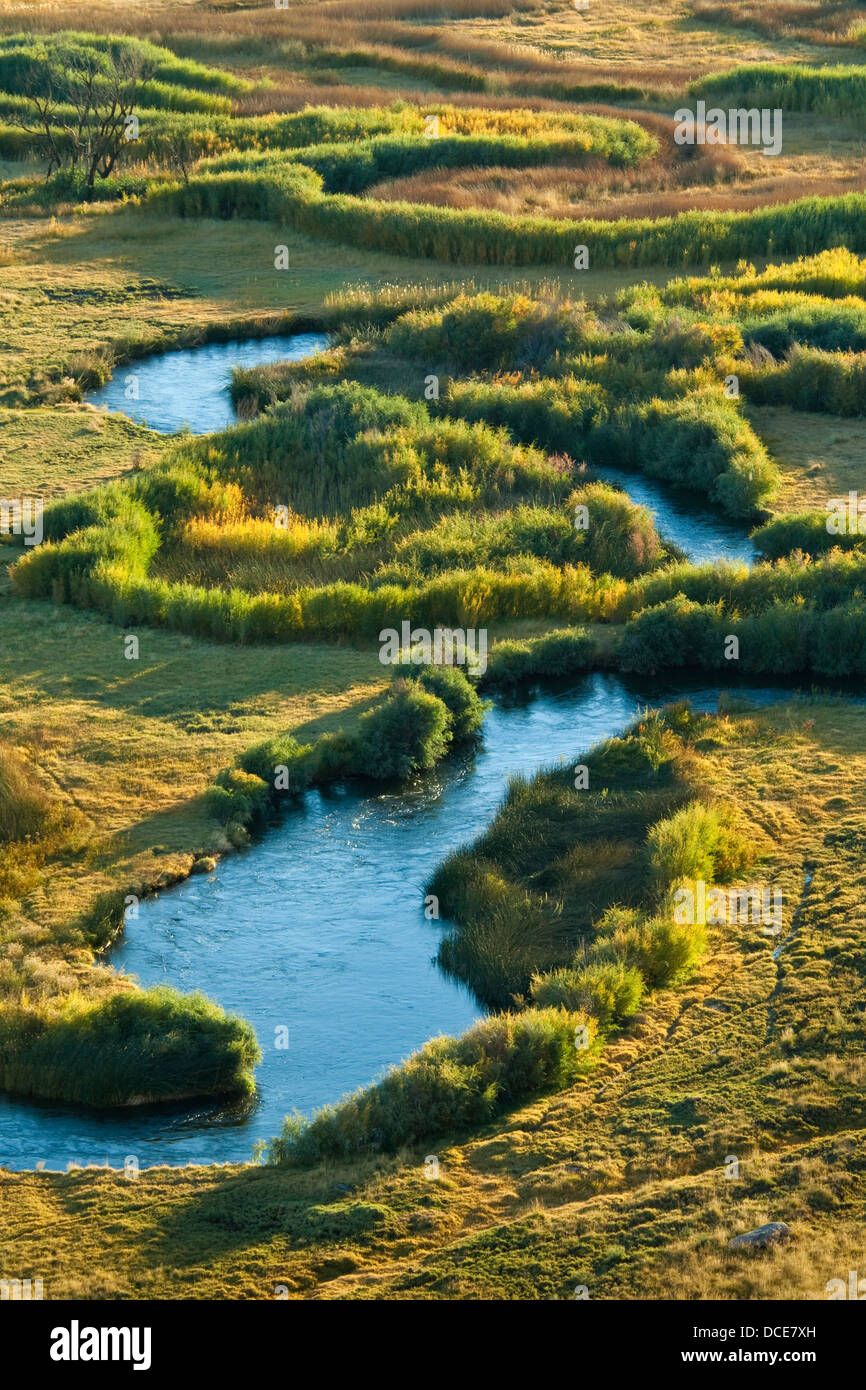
[620,537]
[487,331]
[238,798]
[683,845]
[831,325]
[660,950]
[830,382]
[555,413]
[608,991]
[801,531]
[450,685]
[679,632]
[263,759]
[408,732]
[700,441]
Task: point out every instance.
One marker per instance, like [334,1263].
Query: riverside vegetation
[443,460]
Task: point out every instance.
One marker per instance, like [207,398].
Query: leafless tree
[80,106]
[182,152]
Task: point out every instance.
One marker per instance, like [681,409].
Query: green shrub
[828,325]
[238,797]
[608,991]
[408,732]
[788,637]
[563,653]
[555,413]
[701,441]
[679,632]
[803,531]
[151,1045]
[833,383]
[458,695]
[658,948]
[620,537]
[19,52]
[488,331]
[263,759]
[683,845]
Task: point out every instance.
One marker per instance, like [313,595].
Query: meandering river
[319,928]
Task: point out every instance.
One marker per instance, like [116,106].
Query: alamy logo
[22,516]
[846,516]
[76,1343]
[444,646]
[736,127]
[856,1287]
[720,906]
[21,1290]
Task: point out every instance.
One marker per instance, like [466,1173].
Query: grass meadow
[418,182]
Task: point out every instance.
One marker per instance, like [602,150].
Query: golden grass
[55,450]
[818,21]
[819,456]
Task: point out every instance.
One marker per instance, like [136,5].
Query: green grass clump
[661,950]
[238,799]
[563,653]
[683,845]
[152,1045]
[612,536]
[803,531]
[458,695]
[786,638]
[833,91]
[828,325]
[556,413]
[489,332]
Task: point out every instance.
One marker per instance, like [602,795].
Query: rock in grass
[774,1233]
[205,865]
